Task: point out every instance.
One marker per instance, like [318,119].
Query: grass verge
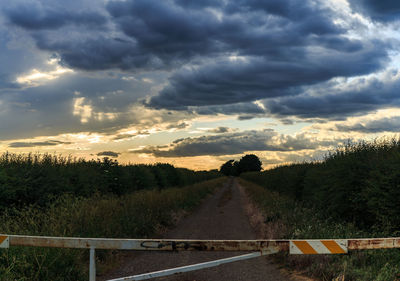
[138,215]
[289,219]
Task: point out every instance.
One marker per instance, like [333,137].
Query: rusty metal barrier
[260,248]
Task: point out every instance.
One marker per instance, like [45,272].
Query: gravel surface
[221,216]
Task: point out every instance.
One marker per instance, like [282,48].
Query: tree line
[248,163]
[40,178]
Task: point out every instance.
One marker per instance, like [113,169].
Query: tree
[227,168]
[235,169]
[249,163]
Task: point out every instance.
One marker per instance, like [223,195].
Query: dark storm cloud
[221,57]
[195,4]
[386,124]
[228,82]
[364,96]
[150,35]
[234,143]
[289,43]
[280,46]
[223,144]
[15,60]
[100,53]
[108,153]
[36,17]
[381,10]
[237,108]
[246,117]
[167,31]
[34,144]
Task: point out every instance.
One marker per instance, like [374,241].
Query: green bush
[297,221]
[354,192]
[359,183]
[40,178]
[137,215]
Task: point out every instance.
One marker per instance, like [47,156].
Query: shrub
[137,215]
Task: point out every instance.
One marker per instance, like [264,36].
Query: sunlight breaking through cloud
[38,77]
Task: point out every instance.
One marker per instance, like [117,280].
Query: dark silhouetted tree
[235,169]
[249,163]
[227,168]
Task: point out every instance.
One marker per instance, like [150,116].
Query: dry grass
[299,222]
[267,230]
[139,215]
[264,228]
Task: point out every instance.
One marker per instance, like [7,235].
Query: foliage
[359,183]
[39,178]
[295,220]
[248,163]
[227,168]
[141,214]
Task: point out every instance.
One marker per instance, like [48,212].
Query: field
[353,193]
[40,178]
[52,195]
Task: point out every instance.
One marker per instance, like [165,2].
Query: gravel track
[221,216]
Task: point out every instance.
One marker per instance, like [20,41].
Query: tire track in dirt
[221,216]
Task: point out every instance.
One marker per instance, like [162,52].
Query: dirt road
[220,217]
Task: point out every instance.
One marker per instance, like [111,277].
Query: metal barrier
[260,248]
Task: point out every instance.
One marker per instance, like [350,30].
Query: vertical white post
[92,265]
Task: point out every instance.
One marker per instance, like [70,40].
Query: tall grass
[354,192]
[358,183]
[40,178]
[297,221]
[138,215]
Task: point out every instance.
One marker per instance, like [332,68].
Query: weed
[137,215]
[299,221]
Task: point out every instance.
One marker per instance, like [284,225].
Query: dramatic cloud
[389,124]
[229,82]
[235,143]
[264,64]
[178,126]
[342,99]
[33,16]
[108,153]
[136,75]
[248,109]
[382,10]
[130,136]
[34,144]
[221,130]
[79,102]
[223,52]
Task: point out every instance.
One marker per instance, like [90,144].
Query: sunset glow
[286,80]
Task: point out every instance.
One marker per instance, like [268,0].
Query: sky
[196,83]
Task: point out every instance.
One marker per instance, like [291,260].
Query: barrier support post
[92,265]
